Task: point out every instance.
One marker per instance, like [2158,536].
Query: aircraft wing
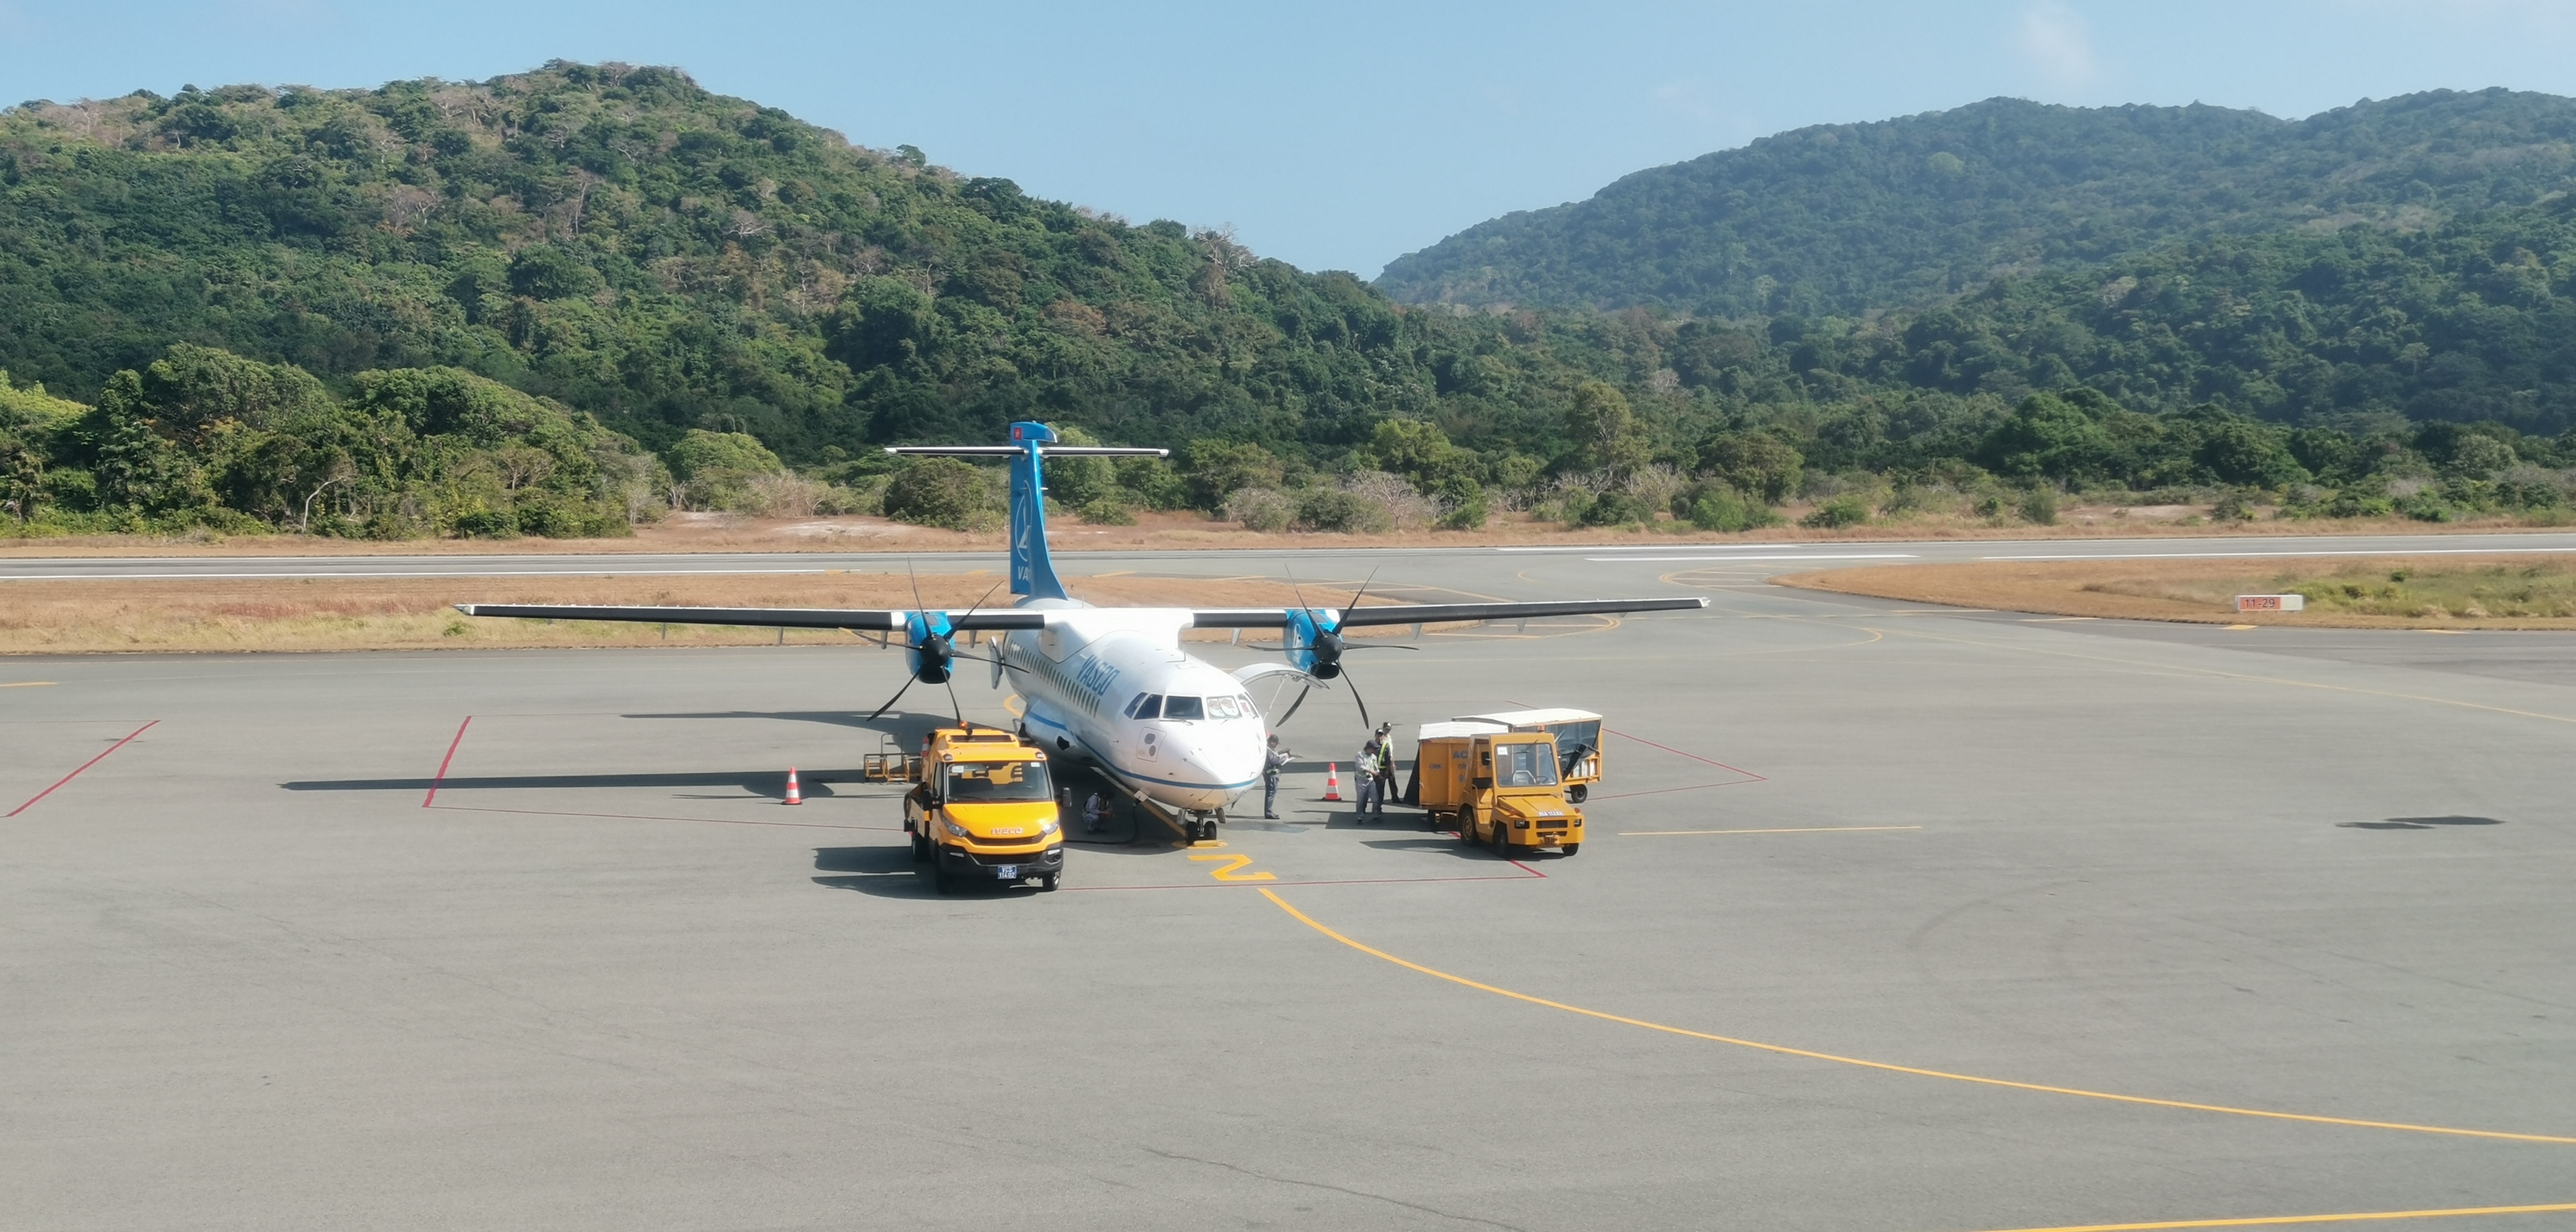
[885,620]
[1438,613]
[891,619]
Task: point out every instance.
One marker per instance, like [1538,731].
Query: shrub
[2039,506]
[1266,510]
[1406,508]
[1332,509]
[1463,503]
[939,492]
[1755,463]
[1215,469]
[1720,508]
[1152,483]
[1107,511]
[482,522]
[1617,508]
[1837,513]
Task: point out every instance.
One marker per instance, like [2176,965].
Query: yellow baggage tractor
[1499,788]
[1578,741]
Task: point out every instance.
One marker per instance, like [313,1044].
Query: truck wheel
[941,881]
[1571,848]
[1578,792]
[920,848]
[1466,829]
[1502,840]
[1046,884]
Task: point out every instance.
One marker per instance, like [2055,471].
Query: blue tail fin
[1032,569]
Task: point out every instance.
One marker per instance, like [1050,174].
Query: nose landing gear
[1201,827]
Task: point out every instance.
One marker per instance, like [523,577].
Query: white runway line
[1834,556]
[2286,554]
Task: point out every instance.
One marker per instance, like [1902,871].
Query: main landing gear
[1201,827]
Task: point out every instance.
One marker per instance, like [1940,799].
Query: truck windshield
[1524,765]
[998,782]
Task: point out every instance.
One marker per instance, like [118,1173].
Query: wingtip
[466,608]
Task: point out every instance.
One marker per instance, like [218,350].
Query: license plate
[1008,872]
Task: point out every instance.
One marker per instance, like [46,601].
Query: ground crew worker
[1272,763]
[1367,768]
[1093,810]
[1385,767]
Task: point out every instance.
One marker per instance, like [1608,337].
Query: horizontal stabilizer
[873,620]
[1013,451]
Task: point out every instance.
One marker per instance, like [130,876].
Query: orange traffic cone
[1332,781]
[793,795]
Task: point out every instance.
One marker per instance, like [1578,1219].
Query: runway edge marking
[58,783]
[1889,1067]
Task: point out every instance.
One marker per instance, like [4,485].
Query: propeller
[1323,645]
[927,641]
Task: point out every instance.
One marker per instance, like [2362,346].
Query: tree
[939,492]
[1605,429]
[22,477]
[1756,463]
[1215,469]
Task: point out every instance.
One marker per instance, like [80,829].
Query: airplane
[1111,686]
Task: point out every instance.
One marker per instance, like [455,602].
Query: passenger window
[1183,708]
[1222,708]
[1149,706]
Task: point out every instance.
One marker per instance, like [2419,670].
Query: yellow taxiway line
[1788,830]
[2274,1221]
[1784,1050]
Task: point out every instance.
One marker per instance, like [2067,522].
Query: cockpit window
[1250,711]
[1524,765]
[1146,706]
[1223,708]
[1183,708]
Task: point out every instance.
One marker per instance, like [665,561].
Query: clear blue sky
[1333,135]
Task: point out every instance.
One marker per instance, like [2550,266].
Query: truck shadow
[888,872]
[1449,845]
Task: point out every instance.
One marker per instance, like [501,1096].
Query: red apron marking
[432,797]
[31,802]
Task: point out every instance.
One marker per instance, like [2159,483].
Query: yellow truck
[981,808]
[1502,789]
[1578,741]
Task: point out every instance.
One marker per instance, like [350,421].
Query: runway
[1894,918]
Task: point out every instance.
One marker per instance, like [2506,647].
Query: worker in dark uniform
[1272,763]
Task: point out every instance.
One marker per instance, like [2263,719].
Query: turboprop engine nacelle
[926,646]
[1314,641]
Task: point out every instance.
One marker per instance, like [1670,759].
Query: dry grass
[714,532]
[232,615]
[2403,592]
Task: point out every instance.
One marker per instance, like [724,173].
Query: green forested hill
[630,245]
[1842,219]
[561,301]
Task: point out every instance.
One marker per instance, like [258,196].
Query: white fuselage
[1194,744]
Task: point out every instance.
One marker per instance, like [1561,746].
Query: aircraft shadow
[769,784]
[2418,823]
[906,726]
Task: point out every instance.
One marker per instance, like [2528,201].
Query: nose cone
[1228,755]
